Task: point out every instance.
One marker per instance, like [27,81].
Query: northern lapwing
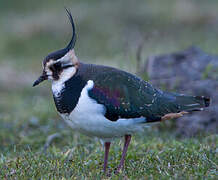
[106,102]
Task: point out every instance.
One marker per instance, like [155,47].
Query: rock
[191,71]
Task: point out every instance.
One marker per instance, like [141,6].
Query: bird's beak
[40,79]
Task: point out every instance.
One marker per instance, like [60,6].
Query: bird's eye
[55,67]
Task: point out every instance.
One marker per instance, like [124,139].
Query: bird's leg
[125,147]
[107,147]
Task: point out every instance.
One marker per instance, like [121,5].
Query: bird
[106,102]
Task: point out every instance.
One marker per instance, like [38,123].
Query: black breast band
[69,97]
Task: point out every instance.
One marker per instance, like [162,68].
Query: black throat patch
[67,100]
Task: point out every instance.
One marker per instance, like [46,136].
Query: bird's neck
[66,95]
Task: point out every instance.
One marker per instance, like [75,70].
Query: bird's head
[61,63]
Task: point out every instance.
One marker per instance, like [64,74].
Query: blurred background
[121,33]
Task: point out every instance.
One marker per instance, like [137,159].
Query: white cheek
[58,85]
[66,74]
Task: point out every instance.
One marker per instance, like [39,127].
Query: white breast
[88,118]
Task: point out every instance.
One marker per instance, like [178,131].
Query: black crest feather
[60,53]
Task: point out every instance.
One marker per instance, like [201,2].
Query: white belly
[88,118]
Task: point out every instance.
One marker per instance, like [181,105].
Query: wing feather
[124,95]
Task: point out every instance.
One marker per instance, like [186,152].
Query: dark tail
[191,103]
[173,105]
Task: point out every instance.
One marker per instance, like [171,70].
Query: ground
[108,33]
[156,153]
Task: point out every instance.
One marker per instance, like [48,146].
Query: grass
[158,153]
[153,156]
[108,33]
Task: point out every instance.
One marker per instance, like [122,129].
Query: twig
[49,140]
